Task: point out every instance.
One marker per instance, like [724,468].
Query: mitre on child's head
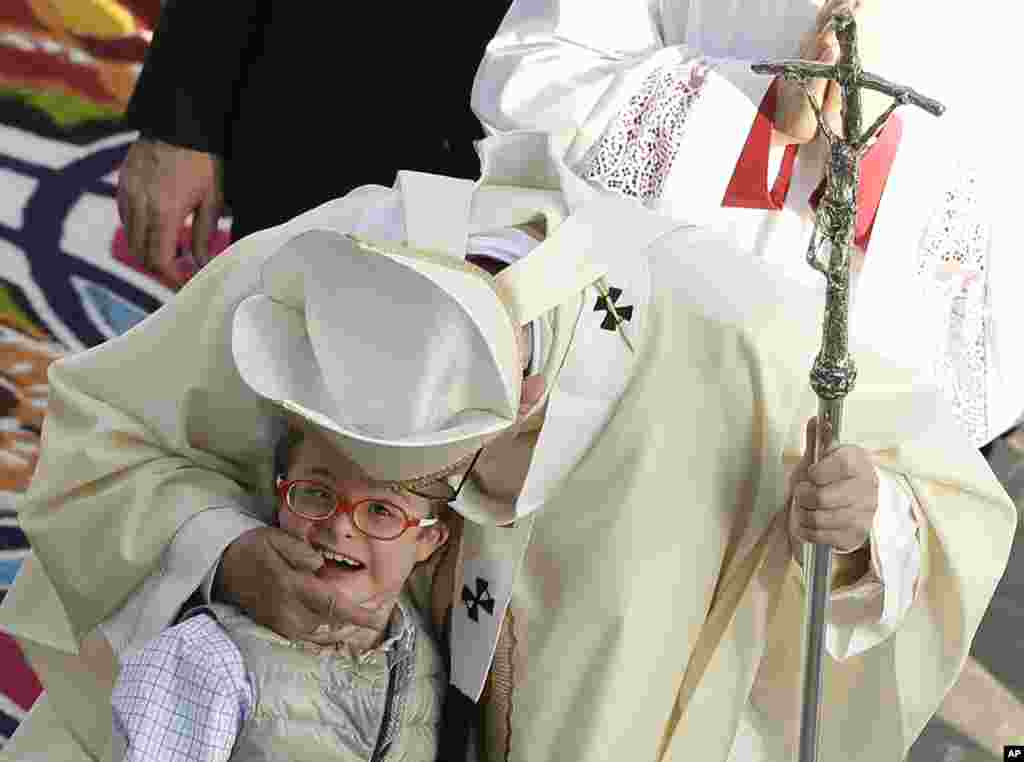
[407,356]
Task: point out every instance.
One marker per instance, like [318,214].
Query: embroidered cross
[615,315]
[481,600]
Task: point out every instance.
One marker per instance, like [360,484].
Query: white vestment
[141,485]
[656,99]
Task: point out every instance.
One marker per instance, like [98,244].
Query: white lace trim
[635,154]
[953,265]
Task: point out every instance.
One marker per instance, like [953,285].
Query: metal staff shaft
[832,378]
[817,562]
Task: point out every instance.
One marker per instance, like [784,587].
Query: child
[218,686]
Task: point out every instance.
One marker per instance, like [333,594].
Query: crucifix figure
[834,372]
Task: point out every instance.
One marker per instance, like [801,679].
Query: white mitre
[402,352]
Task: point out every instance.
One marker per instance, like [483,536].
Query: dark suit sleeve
[187,92]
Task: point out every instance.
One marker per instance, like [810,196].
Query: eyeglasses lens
[377,519]
[312,500]
[380,520]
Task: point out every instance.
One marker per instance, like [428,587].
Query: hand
[501,470]
[270,575]
[795,121]
[833,501]
[159,185]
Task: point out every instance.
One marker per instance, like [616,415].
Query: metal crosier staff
[834,372]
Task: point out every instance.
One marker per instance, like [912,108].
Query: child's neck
[357,638]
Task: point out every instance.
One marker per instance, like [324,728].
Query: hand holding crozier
[833,502]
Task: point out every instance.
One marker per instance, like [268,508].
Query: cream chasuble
[645,625]
[656,610]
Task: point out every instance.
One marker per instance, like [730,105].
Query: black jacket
[306,101]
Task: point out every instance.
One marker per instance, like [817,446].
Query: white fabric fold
[509,245]
[869,610]
[189,563]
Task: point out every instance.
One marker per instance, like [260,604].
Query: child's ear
[431,538]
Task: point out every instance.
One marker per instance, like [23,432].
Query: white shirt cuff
[868,611]
[188,563]
[896,552]
[218,529]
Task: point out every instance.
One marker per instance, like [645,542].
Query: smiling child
[217,686]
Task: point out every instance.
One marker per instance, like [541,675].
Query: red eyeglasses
[376,518]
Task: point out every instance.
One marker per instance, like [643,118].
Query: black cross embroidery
[611,322]
[483,599]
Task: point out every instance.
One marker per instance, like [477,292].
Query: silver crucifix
[834,372]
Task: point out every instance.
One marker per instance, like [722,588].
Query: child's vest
[325,704]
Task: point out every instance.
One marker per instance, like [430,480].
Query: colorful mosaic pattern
[67,282]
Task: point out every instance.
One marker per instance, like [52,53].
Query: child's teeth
[342,559]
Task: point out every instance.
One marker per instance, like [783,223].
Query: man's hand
[795,121]
[833,501]
[159,185]
[501,470]
[270,575]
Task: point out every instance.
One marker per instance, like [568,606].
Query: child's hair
[286,444]
[490,264]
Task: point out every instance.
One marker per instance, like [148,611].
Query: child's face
[385,564]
